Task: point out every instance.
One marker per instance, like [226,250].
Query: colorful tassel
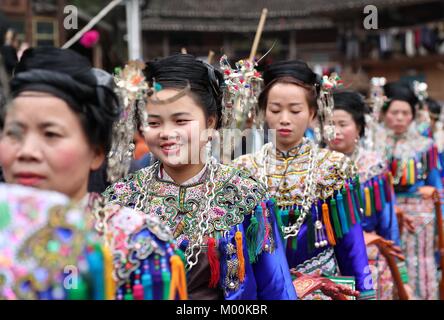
[240,256]
[334,214]
[267,226]
[355,204]
[178,279]
[80,292]
[387,188]
[342,213]
[166,280]
[261,229]
[372,198]
[378,205]
[291,217]
[430,159]
[350,205]
[359,192]
[147,281]
[279,220]
[382,192]
[404,174]
[294,243]
[412,172]
[128,294]
[284,215]
[252,234]
[394,166]
[328,227]
[214,263]
[110,284]
[408,172]
[96,265]
[368,205]
[138,293]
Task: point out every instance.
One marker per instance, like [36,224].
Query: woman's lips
[284,132]
[336,141]
[28,179]
[170,149]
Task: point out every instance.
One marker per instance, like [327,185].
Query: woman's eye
[182,121]
[153,124]
[51,134]
[14,133]
[295,112]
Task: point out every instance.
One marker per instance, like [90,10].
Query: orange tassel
[178,279]
[240,256]
[328,227]
[404,175]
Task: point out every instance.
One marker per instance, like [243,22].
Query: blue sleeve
[434,179]
[268,278]
[272,272]
[351,254]
[388,223]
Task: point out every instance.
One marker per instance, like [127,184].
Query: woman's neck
[286,147]
[183,173]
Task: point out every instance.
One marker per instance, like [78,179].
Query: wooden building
[327,34]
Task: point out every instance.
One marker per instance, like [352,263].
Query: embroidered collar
[295,151]
[163,175]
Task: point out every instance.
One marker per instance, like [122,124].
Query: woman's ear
[98,158]
[312,113]
[211,122]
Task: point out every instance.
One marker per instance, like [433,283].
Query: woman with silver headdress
[413,160]
[314,189]
[377,194]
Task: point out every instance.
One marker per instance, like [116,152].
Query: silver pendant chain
[309,186]
[144,201]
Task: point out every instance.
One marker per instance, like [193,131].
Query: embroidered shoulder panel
[133,237]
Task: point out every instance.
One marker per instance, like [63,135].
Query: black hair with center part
[205,82]
[67,75]
[353,103]
[401,92]
[295,72]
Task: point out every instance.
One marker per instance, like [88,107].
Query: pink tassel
[378,203]
[267,226]
[138,293]
[350,204]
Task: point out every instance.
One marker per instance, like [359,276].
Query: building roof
[243,16]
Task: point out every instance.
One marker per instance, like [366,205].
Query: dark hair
[353,103]
[205,82]
[402,92]
[295,72]
[67,75]
[434,107]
